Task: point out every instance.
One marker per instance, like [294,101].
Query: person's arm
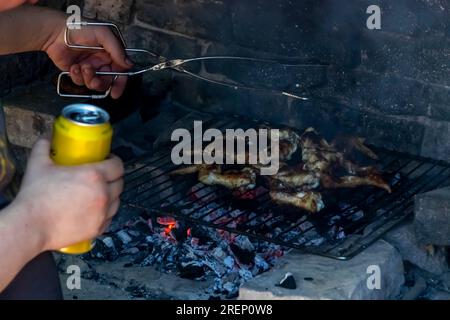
[56,207]
[19,242]
[29,28]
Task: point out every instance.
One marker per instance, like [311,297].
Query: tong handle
[119,33]
[76,25]
[83,96]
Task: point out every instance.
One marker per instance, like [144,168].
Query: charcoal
[118,244]
[231,290]
[219,253]
[136,236]
[229,262]
[261,264]
[142,228]
[232,277]
[243,256]
[140,257]
[191,270]
[124,237]
[132,250]
[244,243]
[180,233]
[145,247]
[133,233]
[201,235]
[101,251]
[108,241]
[288,282]
[245,274]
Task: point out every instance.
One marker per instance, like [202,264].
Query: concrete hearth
[324,278]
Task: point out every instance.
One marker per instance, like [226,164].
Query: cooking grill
[351,221]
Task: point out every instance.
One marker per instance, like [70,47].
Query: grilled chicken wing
[317,154]
[297,177]
[306,200]
[244,179]
[186,170]
[320,156]
[348,144]
[372,179]
[289,143]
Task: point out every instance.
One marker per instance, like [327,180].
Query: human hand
[66,205]
[82,64]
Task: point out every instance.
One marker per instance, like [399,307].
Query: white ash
[124,237]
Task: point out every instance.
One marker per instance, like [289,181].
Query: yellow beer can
[81,134]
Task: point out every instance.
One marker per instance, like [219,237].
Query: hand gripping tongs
[165,63]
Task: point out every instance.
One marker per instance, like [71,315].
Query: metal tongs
[162,64]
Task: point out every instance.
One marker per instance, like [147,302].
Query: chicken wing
[297,177]
[306,200]
[372,179]
[349,143]
[244,179]
[186,170]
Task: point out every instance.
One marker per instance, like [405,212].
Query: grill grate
[351,221]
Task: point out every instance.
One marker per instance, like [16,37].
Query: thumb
[40,154]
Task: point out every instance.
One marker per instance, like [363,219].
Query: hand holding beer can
[81,134]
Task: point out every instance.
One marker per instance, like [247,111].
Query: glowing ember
[169,228]
[166,221]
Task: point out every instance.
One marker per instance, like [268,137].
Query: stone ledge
[430,258]
[331,279]
[24,127]
[30,113]
[432,217]
[111,280]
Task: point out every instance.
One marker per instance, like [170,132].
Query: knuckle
[93,176]
[102,198]
[119,166]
